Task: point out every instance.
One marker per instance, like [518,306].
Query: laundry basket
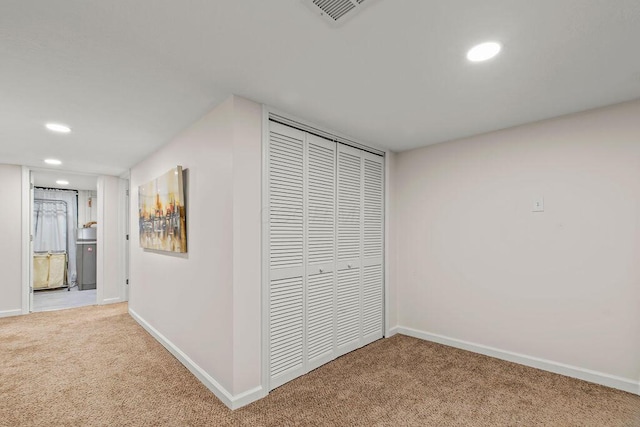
[57,269]
[40,270]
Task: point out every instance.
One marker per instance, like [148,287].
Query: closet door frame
[267,112]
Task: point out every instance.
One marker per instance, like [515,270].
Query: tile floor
[58,299]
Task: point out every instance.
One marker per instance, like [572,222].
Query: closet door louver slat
[372,303]
[321,201]
[286,254]
[348,306]
[321,172]
[373,234]
[349,204]
[349,213]
[286,326]
[373,202]
[320,314]
[325,241]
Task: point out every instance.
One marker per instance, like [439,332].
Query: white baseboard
[391,332]
[111,301]
[9,313]
[246,397]
[624,384]
[232,402]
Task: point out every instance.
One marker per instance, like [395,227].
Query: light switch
[538,205]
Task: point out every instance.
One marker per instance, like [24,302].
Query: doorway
[64,240]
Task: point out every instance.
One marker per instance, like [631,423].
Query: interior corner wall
[11,231]
[188,298]
[477,265]
[391,244]
[247,248]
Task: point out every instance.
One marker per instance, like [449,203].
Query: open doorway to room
[64,229]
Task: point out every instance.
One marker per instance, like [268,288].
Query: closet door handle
[321,271]
[348,265]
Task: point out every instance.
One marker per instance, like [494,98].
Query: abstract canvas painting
[161,209]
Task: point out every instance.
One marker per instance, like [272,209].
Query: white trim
[624,384]
[247,397]
[283,114]
[9,313]
[391,332]
[26,241]
[109,235]
[231,401]
[387,243]
[123,230]
[319,132]
[66,172]
[100,241]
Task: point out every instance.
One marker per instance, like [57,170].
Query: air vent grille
[335,12]
[336,9]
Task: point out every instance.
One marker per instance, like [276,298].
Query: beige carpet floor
[95,366]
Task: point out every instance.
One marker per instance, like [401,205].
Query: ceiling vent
[336,12]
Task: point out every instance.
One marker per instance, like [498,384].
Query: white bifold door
[325,251]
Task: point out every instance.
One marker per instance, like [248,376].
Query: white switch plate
[538,205]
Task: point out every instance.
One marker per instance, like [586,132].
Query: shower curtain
[54,224]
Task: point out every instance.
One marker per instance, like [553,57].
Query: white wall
[205,305]
[476,264]
[87,213]
[391,244]
[247,249]
[11,231]
[110,288]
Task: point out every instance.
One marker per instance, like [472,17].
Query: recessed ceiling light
[62,182]
[57,127]
[483,51]
[53,162]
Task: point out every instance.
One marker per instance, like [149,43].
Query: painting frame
[162,219]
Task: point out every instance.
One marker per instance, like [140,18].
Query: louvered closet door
[286,253]
[325,251]
[320,285]
[372,254]
[349,240]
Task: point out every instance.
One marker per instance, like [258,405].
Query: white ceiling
[127,76]
[77,181]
